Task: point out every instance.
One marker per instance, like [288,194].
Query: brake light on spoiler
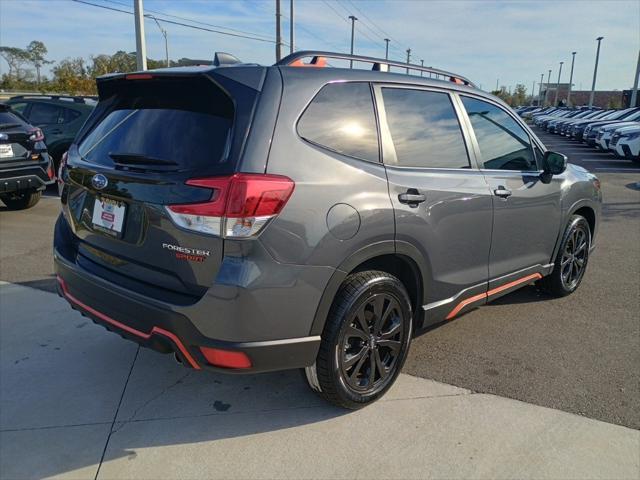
[241,205]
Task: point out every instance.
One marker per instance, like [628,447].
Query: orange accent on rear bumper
[127,328]
[494,291]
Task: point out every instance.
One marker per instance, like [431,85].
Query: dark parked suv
[25,165]
[252,218]
[59,116]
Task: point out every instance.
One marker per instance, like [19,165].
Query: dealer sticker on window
[108,214]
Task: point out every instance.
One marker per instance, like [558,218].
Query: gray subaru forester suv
[251,218]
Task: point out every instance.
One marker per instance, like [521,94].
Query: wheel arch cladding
[405,268]
[590,216]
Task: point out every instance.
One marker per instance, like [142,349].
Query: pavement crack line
[152,399]
[115,415]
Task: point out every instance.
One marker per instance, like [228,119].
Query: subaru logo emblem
[99,181]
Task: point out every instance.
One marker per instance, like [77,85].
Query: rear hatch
[18,140]
[149,134]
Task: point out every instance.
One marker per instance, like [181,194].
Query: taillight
[36,135]
[63,163]
[240,205]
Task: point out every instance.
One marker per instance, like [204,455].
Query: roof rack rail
[379,64]
[73,98]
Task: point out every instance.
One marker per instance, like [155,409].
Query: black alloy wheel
[571,261]
[574,258]
[365,340]
[371,342]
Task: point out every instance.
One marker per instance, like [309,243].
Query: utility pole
[634,90]
[386,50]
[292,35]
[540,103]
[166,42]
[278,33]
[595,73]
[408,59]
[533,89]
[555,102]
[422,64]
[573,59]
[497,82]
[353,30]
[546,91]
[141,47]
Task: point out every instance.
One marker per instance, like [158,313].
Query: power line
[191,20]
[257,39]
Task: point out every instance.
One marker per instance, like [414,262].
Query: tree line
[74,76]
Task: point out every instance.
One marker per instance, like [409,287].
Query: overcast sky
[514,41]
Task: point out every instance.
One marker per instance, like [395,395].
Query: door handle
[412,197]
[502,192]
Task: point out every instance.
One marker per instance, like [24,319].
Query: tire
[572,259]
[22,201]
[369,327]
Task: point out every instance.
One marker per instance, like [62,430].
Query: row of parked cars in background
[35,131]
[616,131]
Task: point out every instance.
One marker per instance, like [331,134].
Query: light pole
[278,33]
[408,59]
[422,64]
[634,90]
[166,42]
[533,89]
[555,102]
[546,91]
[386,50]
[497,81]
[292,35]
[573,59]
[353,29]
[595,73]
[141,47]
[540,90]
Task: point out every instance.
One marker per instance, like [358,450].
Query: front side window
[424,129]
[341,118]
[504,145]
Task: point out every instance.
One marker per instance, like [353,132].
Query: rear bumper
[15,179]
[166,330]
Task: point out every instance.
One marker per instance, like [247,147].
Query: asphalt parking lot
[580,354]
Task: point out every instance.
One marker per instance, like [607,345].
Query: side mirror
[554,163]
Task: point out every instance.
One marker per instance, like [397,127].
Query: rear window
[183,123]
[9,118]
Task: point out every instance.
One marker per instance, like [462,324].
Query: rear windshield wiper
[139,159]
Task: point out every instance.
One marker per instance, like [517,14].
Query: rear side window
[503,143]
[45,114]
[183,124]
[341,118]
[424,128]
[70,115]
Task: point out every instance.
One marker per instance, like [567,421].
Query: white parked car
[625,142]
[605,132]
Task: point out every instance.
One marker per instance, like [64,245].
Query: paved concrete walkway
[79,402]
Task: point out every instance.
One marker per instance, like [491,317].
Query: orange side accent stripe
[481,296]
[507,286]
[127,328]
[464,303]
